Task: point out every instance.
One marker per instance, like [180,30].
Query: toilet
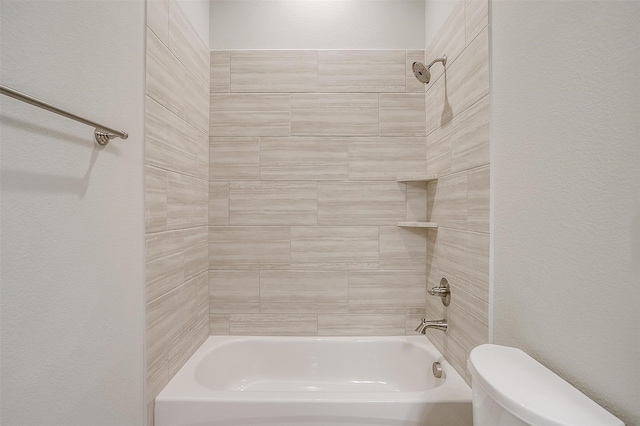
[512,389]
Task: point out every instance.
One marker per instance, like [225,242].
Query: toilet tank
[512,389]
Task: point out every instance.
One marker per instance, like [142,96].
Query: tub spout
[438,325]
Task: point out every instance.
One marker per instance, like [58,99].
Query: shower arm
[443,60]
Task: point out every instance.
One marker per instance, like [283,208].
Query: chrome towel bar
[103,134]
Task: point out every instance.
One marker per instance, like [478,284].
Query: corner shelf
[417,224]
[424,178]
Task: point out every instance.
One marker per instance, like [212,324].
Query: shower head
[421,71]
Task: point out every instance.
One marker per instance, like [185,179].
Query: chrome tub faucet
[438,325]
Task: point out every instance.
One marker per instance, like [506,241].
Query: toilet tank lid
[532,392]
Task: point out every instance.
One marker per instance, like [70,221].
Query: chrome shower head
[422,71]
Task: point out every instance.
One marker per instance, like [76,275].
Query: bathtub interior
[316,365]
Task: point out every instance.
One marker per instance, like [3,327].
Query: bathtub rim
[185,387]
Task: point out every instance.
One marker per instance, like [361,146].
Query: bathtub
[319,381]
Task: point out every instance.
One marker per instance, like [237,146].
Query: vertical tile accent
[273,203]
[220,71]
[357,71]
[402,114]
[283,292]
[250,114]
[336,114]
[385,158]
[334,248]
[298,158]
[274,71]
[234,158]
[361,203]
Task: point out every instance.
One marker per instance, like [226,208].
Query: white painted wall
[317,24]
[72,274]
[566,191]
[197,11]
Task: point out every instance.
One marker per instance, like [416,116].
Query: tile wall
[177,191]
[457,120]
[305,148]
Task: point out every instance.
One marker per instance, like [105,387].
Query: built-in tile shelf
[417,224]
[414,224]
[425,178]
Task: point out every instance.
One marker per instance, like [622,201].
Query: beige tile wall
[457,118]
[305,149]
[177,194]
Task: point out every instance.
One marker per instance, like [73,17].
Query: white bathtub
[295,381]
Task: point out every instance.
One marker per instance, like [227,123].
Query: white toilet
[512,389]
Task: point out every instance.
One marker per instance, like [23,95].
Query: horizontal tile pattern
[402,114]
[168,143]
[249,247]
[361,203]
[352,247]
[357,71]
[478,199]
[274,71]
[234,292]
[457,123]
[176,193]
[299,158]
[385,158]
[220,71]
[234,158]
[335,114]
[303,291]
[387,292]
[250,114]
[303,160]
[361,325]
[273,324]
[218,203]
[273,203]
[165,75]
[402,248]
[470,137]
